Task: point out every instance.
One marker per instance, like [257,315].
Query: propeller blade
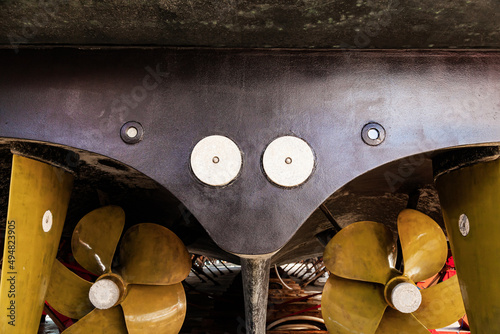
[441,305]
[361,251]
[395,322]
[154,309]
[424,245]
[350,307]
[95,238]
[152,254]
[38,201]
[108,321]
[68,293]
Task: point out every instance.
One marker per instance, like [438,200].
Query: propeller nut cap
[406,297]
[104,294]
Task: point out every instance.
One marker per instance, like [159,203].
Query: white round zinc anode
[464,225]
[288,161]
[406,297]
[47,221]
[216,160]
[104,294]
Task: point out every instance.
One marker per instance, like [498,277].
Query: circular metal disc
[373,134]
[47,221]
[406,297]
[288,161]
[464,225]
[132,132]
[216,160]
[104,294]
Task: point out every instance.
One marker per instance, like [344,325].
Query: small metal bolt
[373,134]
[132,132]
[464,225]
[288,160]
[215,160]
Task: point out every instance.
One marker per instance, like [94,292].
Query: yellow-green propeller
[38,201]
[144,294]
[95,238]
[366,295]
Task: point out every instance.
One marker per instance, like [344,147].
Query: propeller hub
[403,295]
[406,297]
[107,292]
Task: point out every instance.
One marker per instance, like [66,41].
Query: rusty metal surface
[251,23]
[425,100]
[255,291]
